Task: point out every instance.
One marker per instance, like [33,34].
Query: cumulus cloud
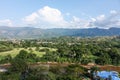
[46,17]
[31,18]
[103,21]
[79,23]
[113,12]
[6,22]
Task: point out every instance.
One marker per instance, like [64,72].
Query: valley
[59,56]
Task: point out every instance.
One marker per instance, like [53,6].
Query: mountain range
[35,33]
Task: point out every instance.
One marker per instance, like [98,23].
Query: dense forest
[73,50]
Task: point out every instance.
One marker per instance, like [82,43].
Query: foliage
[72,50]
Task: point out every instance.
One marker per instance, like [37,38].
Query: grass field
[15,51]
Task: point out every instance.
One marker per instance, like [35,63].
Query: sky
[60,13]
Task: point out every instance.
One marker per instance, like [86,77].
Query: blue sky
[60,13]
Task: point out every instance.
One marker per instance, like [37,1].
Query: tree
[19,65]
[76,70]
[115,56]
[22,54]
[37,48]
[6,59]
[40,73]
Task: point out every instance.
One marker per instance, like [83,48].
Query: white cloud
[6,22]
[31,18]
[47,17]
[50,14]
[79,23]
[103,21]
[68,14]
[113,12]
[93,19]
[100,18]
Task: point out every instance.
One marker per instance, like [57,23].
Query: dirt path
[105,67]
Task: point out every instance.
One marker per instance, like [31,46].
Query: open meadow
[16,51]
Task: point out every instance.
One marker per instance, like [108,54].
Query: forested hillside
[36,33]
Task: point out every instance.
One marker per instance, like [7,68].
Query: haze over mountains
[35,33]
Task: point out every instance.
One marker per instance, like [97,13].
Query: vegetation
[101,51]
[98,50]
[72,50]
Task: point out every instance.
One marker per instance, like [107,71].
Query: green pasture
[15,51]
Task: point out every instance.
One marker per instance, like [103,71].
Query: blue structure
[107,75]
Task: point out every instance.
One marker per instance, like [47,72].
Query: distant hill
[31,33]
